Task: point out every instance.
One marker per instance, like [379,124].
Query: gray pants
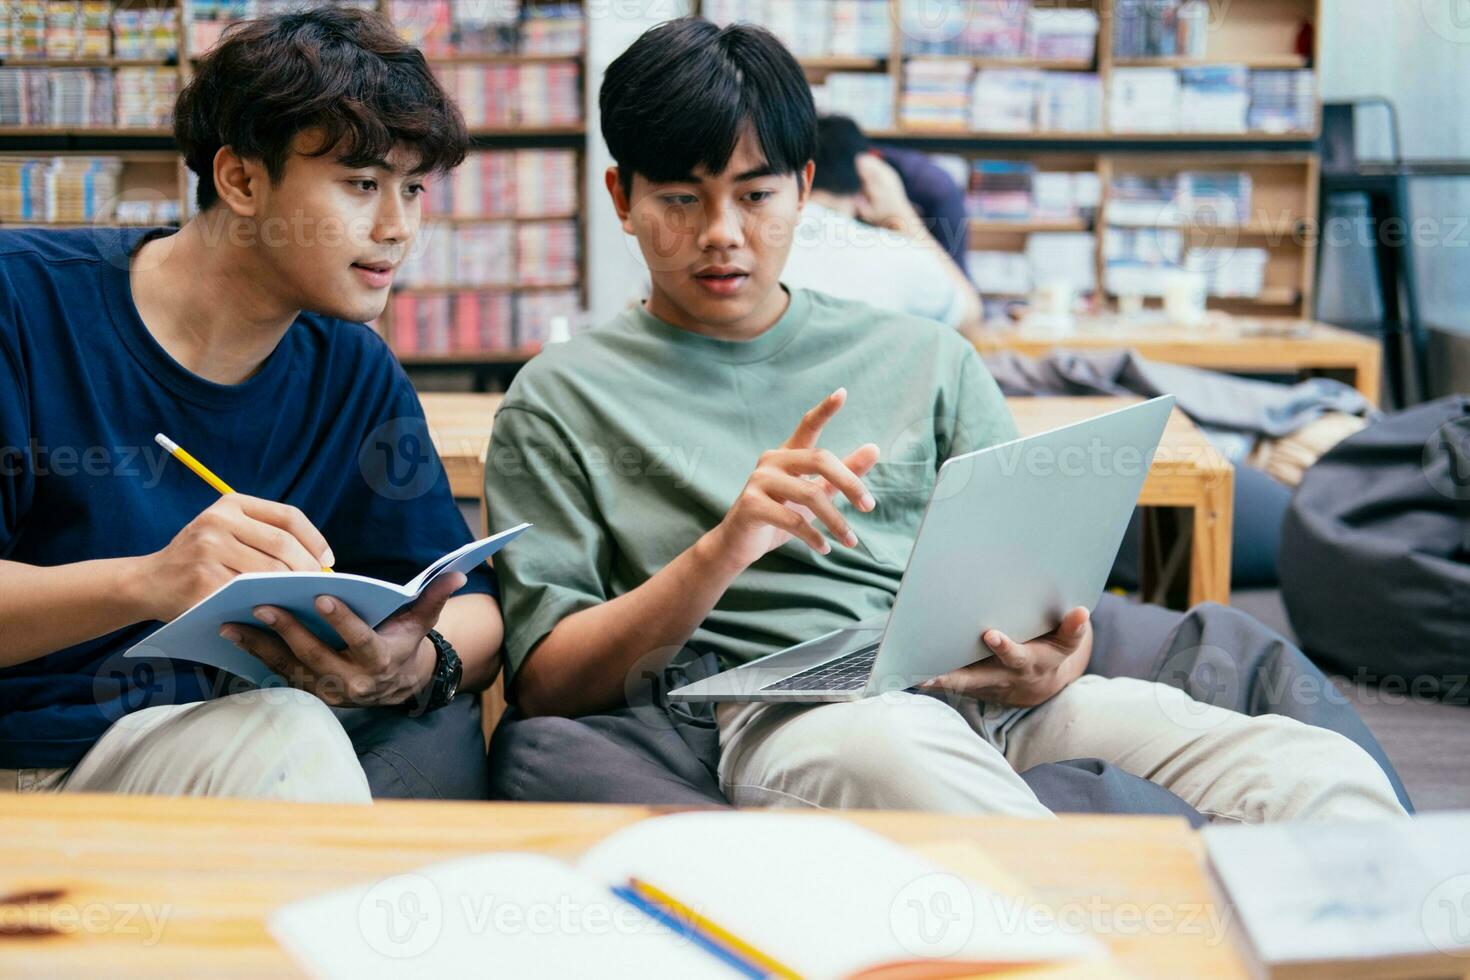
[276,743]
[911,751]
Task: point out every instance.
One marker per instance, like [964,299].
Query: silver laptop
[1013,537]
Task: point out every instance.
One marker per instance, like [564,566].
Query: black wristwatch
[443,683]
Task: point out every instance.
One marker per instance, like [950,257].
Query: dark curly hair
[341,70]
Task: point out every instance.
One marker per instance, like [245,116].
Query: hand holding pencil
[234,535]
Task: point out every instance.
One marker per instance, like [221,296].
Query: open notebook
[819,895]
[194,636]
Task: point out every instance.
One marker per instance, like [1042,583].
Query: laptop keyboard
[849,673]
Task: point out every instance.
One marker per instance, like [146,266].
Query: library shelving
[1251,108]
[544,39]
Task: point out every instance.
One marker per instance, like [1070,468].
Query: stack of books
[1283,101]
[508,183]
[1214,99]
[1063,256]
[25,97]
[1064,195]
[1229,272]
[58,189]
[549,94]
[477,322]
[1000,190]
[147,212]
[1207,199]
[80,97]
[864,97]
[813,28]
[1161,29]
[1135,260]
[981,28]
[545,183]
[145,97]
[553,29]
[536,311]
[1004,100]
[145,33]
[997,273]
[486,94]
[536,95]
[546,253]
[1019,100]
[476,27]
[480,254]
[1143,100]
[23,29]
[78,29]
[936,94]
[1062,34]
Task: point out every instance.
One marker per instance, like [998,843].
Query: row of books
[449,28]
[1138,261]
[47,189]
[1205,198]
[1161,29]
[500,95]
[63,29]
[864,97]
[999,29]
[1013,190]
[1213,99]
[493,253]
[1011,100]
[125,98]
[814,28]
[472,322]
[1048,257]
[206,20]
[507,184]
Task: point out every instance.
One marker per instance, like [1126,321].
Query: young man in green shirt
[736,467]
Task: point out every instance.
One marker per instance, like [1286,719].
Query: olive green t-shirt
[626,444]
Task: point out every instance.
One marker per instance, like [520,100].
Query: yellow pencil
[197,468]
[658,896]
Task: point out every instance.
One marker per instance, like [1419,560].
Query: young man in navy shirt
[241,337]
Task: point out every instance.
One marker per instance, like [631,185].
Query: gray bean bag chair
[652,753]
[1375,553]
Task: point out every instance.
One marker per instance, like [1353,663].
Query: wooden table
[137,886]
[1187,473]
[1260,346]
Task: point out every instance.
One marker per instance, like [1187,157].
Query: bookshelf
[1219,48]
[547,43]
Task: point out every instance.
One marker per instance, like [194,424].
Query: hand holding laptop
[781,500]
[1024,675]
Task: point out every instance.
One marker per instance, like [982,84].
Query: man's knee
[284,744]
[897,752]
[1324,775]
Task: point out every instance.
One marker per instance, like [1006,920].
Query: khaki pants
[907,750]
[278,743]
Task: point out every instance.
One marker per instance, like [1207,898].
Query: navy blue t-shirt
[329,423]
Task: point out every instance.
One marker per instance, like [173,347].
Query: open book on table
[816,895]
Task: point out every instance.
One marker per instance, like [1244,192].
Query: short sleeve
[399,514]
[17,476]
[563,566]
[981,417]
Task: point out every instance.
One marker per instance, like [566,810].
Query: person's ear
[613,180]
[804,185]
[238,182]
